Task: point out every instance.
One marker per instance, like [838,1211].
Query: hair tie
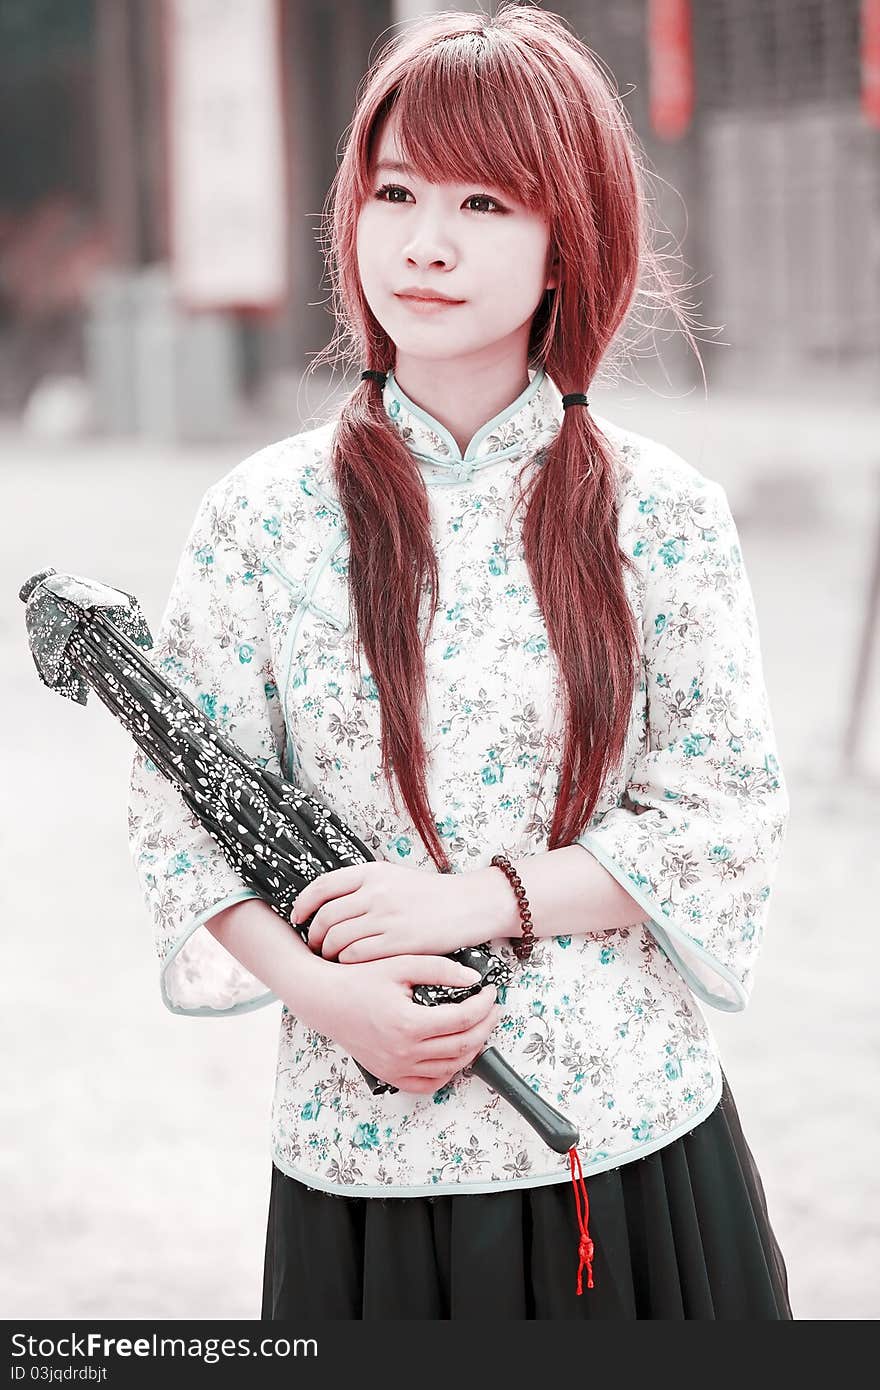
[574,398]
[374,376]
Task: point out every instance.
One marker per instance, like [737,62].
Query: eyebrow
[394,167]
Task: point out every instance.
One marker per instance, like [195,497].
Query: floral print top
[606,1026]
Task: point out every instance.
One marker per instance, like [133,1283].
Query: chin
[431,338]
[428,350]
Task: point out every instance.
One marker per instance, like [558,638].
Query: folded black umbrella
[275,836]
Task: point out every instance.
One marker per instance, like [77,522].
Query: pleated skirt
[683,1233]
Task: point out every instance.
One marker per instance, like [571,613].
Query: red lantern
[671,67]
[870,61]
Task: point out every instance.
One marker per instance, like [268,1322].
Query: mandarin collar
[528,422]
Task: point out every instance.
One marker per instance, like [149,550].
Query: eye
[483,198]
[390,188]
[393,188]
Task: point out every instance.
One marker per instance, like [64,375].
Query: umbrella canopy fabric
[275,836]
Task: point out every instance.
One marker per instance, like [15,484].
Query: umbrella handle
[556,1131]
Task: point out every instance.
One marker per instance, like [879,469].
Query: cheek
[368,251]
[515,270]
[362,245]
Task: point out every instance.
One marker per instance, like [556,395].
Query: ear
[553,274]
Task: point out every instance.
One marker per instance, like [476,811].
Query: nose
[424,257]
[430,246]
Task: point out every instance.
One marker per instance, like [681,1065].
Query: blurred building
[50,222]
[760,116]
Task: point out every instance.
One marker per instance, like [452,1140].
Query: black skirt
[682,1233]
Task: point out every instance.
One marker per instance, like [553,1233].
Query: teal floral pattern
[258,631]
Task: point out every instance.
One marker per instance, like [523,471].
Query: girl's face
[470,242]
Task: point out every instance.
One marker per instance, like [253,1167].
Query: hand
[369,1010]
[372,911]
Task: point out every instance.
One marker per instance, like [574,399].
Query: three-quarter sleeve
[700,847]
[213,645]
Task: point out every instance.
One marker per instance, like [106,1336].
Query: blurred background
[162,172]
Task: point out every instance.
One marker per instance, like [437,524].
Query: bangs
[458,116]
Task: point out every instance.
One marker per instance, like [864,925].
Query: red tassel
[585,1245]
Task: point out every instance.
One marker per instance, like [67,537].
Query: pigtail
[570,539]
[392,565]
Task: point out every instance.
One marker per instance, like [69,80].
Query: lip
[431,295]
[424,306]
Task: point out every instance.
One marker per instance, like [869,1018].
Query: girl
[483,622]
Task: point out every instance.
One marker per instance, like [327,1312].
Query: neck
[459,394]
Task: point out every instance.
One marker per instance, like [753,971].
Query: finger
[421,1085]
[456,1018]
[325,887]
[437,970]
[366,948]
[451,1046]
[349,929]
[438,1072]
[440,1020]
[454,1047]
[331,913]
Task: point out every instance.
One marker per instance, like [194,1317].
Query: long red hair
[519,100]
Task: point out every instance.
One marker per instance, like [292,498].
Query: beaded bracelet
[522,946]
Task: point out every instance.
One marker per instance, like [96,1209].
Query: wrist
[308,986]
[495,906]
[274,952]
[524,936]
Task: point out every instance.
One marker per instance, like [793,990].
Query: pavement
[137,1182]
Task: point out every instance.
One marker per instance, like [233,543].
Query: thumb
[438,970]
